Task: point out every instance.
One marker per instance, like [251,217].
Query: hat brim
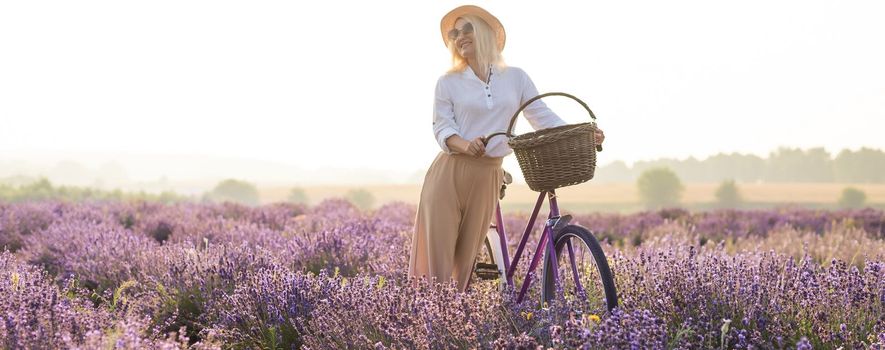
[448,22]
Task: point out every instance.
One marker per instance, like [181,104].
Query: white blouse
[468,107]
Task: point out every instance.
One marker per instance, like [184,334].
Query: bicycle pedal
[482,265]
[487,271]
[491,275]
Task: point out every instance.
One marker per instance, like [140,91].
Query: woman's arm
[537,113]
[444,126]
[446,130]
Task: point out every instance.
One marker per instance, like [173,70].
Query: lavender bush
[138,275]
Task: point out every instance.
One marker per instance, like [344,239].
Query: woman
[477,97]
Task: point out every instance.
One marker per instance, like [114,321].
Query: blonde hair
[485,46]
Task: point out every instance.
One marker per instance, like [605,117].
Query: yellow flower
[527,315]
[595,318]
[15,278]
[381,282]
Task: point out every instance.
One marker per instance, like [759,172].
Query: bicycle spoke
[580,281]
[574,263]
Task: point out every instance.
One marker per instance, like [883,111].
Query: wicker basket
[555,157]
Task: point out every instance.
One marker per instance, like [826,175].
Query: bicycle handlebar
[485,140]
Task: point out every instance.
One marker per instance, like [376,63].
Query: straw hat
[448,22]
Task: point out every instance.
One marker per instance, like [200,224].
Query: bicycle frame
[545,243]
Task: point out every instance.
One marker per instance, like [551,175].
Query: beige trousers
[457,202]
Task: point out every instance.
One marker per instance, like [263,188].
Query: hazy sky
[333,83]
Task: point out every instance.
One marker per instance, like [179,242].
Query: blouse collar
[468,72]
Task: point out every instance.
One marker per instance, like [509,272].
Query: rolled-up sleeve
[537,113]
[444,124]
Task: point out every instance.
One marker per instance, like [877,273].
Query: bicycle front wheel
[582,269]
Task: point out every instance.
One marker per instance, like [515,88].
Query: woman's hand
[599,136]
[474,148]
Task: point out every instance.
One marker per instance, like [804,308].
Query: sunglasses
[467,29]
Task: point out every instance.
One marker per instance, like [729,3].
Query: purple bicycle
[583,274]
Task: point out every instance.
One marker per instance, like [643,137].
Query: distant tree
[237,191]
[727,195]
[796,165]
[659,187]
[863,165]
[736,166]
[782,165]
[297,195]
[361,198]
[614,171]
[690,169]
[852,198]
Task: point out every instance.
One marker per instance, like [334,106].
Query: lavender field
[144,275]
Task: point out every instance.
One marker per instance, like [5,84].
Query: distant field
[618,196]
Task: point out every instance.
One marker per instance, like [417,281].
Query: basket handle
[527,103]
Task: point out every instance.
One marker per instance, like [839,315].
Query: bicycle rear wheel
[582,269]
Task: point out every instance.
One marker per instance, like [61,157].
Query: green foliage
[865,165]
[659,187]
[361,198]
[297,195]
[42,189]
[283,336]
[182,308]
[852,198]
[728,195]
[232,190]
